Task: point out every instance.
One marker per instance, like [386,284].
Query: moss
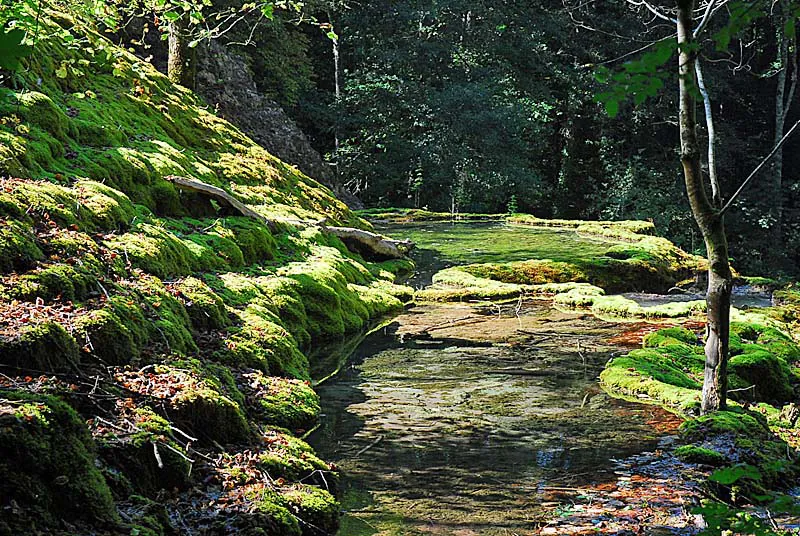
[88,205]
[767,372]
[206,310]
[153,250]
[287,403]
[254,239]
[48,466]
[737,423]
[288,457]
[647,374]
[55,281]
[108,338]
[46,347]
[18,247]
[263,344]
[670,336]
[315,508]
[702,455]
[194,399]
[132,455]
[279,520]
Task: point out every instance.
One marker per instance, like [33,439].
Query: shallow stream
[467,419]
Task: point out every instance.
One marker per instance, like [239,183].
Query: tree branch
[716,193]
[758,168]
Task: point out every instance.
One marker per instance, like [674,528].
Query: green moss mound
[132,467]
[44,347]
[701,455]
[290,458]
[287,403]
[48,466]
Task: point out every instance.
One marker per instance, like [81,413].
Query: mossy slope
[180,331]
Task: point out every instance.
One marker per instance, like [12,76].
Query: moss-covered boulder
[194,402]
[47,467]
[315,508]
[700,455]
[670,336]
[206,310]
[767,374]
[290,458]
[288,403]
[18,247]
[735,423]
[46,347]
[129,451]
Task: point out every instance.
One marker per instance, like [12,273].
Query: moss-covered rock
[290,458]
[46,347]
[701,455]
[194,399]
[18,247]
[288,403]
[129,454]
[736,423]
[47,467]
[206,310]
[670,336]
[315,508]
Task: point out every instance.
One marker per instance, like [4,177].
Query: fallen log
[219,195]
[369,245]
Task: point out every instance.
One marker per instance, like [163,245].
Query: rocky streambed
[468,419]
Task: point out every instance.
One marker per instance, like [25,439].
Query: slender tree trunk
[180,57]
[709,220]
[783,97]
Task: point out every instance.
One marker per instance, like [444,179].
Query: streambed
[463,420]
[477,419]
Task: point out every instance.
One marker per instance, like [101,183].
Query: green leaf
[790,28]
[171,16]
[61,72]
[332,36]
[612,107]
[268,10]
[729,475]
[12,50]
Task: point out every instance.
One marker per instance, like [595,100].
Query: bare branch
[706,17]
[758,168]
[653,10]
[716,193]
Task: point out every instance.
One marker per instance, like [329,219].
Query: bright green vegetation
[468,243]
[195,325]
[576,262]
[695,454]
[407,215]
[669,371]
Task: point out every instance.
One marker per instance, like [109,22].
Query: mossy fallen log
[371,246]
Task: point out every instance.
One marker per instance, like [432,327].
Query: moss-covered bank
[747,445]
[153,345]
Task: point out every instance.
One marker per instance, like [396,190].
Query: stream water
[466,420]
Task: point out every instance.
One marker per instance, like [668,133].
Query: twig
[184,434]
[157,455]
[365,449]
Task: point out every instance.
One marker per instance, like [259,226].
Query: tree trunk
[180,57]
[783,101]
[709,220]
